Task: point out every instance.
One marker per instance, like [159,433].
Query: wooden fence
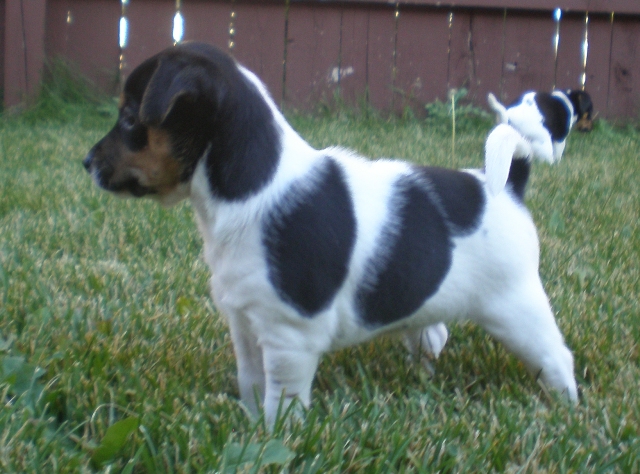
[389,54]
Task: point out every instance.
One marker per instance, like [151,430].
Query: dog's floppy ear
[172,84]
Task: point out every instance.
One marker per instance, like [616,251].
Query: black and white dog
[546,118]
[314,250]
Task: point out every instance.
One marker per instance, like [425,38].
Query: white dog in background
[546,118]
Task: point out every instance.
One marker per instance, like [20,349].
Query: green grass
[105,321]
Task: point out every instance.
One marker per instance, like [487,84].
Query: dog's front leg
[289,375]
[251,380]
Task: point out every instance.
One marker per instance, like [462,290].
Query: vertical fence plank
[570,51]
[381,38]
[259,41]
[2,41]
[71,25]
[207,21]
[353,54]
[460,58]
[486,49]
[624,92]
[150,30]
[528,54]
[24,50]
[421,58]
[313,55]
[598,62]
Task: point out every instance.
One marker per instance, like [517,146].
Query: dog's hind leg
[289,375]
[427,341]
[523,321]
[251,379]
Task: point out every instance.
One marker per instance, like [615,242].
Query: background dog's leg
[427,341]
[251,380]
[523,321]
[289,374]
[558,149]
[543,148]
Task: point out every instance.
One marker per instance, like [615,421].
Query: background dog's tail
[498,108]
[507,156]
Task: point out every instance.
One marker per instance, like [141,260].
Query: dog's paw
[426,344]
[434,338]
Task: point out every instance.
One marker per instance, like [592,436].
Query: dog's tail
[498,108]
[507,159]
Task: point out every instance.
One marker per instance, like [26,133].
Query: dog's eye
[128,120]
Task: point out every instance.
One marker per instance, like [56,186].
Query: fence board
[354,54]
[381,37]
[313,55]
[207,21]
[529,60]
[259,42]
[599,61]
[71,25]
[624,94]
[2,42]
[421,58]
[150,31]
[486,53]
[460,64]
[570,52]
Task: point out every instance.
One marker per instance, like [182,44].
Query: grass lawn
[113,358]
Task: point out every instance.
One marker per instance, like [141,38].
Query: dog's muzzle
[103,177]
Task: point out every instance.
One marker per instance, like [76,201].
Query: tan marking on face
[121,100]
[154,166]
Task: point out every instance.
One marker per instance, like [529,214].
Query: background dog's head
[166,103]
[583,109]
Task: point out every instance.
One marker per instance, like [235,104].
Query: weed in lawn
[104,312]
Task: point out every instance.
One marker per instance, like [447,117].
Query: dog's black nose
[87,160]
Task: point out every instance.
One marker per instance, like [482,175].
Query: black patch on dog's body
[460,195]
[416,251]
[309,239]
[556,115]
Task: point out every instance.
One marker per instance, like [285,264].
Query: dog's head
[158,138]
[583,109]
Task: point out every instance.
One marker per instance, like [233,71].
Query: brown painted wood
[150,30]
[207,21]
[624,91]
[259,41]
[372,54]
[2,40]
[460,63]
[598,63]
[71,25]
[313,55]
[23,50]
[487,32]
[421,58]
[528,54]
[594,6]
[381,37]
[354,55]
[570,67]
